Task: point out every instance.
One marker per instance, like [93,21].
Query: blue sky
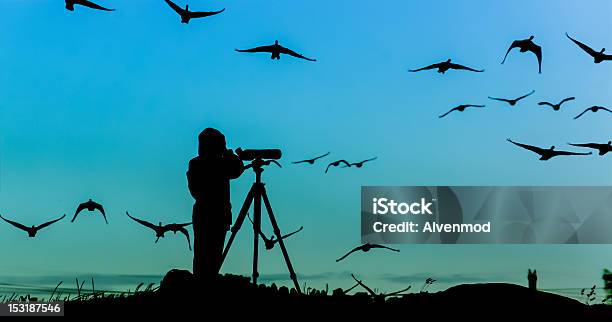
[109,105]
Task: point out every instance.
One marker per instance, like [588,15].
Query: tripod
[256,194]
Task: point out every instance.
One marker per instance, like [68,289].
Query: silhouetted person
[161,230]
[445,66]
[532,278]
[337,163]
[546,154]
[271,242]
[460,108]
[526,45]
[593,109]
[276,50]
[34,229]
[90,205]
[598,56]
[366,248]
[187,15]
[70,5]
[512,102]
[557,106]
[208,179]
[311,161]
[603,148]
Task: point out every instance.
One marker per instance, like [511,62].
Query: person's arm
[233,164]
[192,180]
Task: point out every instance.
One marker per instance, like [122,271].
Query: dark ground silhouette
[235,297]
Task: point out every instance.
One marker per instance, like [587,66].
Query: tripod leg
[277,232]
[239,220]
[256,227]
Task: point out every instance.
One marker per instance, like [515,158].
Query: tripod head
[259,158]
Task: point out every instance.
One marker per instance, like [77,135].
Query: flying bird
[34,229]
[271,242]
[90,205]
[557,106]
[161,230]
[526,45]
[311,161]
[187,15]
[602,147]
[337,163]
[512,102]
[445,66]
[546,154]
[70,5]
[360,163]
[598,56]
[593,109]
[460,108]
[365,248]
[276,50]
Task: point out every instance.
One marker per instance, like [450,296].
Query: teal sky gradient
[109,106]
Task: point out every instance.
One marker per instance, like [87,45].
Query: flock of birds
[523,45]
[528,45]
[91,206]
[338,163]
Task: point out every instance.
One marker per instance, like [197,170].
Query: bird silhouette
[593,109]
[311,161]
[337,163]
[602,147]
[271,242]
[460,108]
[276,50]
[598,56]
[557,106]
[187,15]
[360,163]
[85,3]
[365,248]
[526,45]
[90,205]
[445,66]
[33,229]
[161,230]
[546,154]
[512,102]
